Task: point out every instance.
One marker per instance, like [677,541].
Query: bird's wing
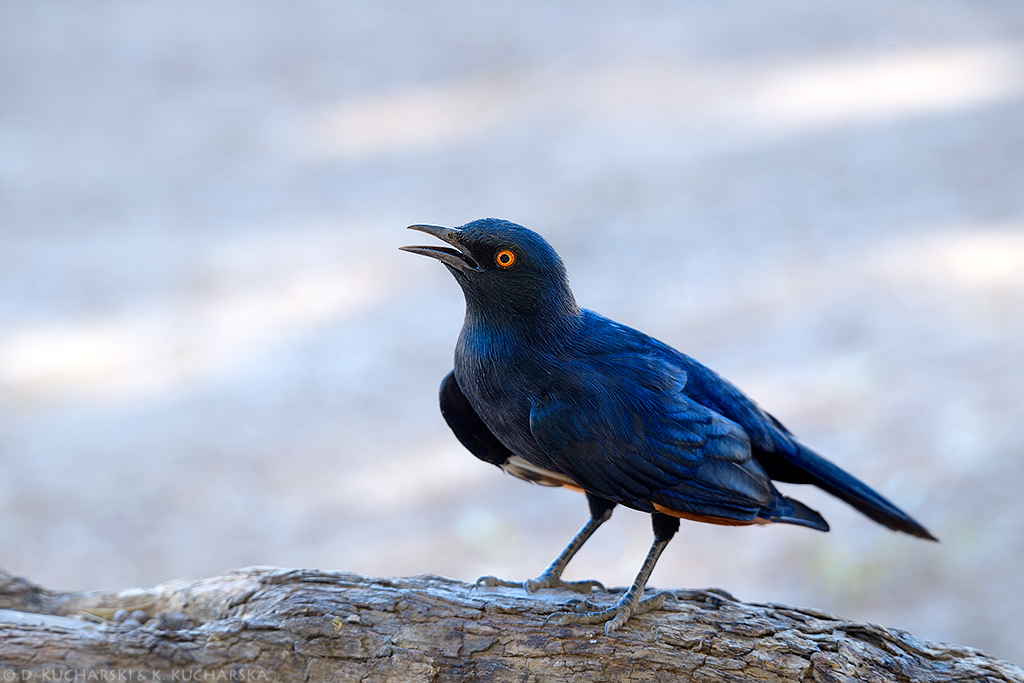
[650,451]
[469,429]
[472,433]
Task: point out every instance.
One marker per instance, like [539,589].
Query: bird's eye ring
[505,258]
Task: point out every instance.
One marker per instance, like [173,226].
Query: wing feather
[469,429]
[652,450]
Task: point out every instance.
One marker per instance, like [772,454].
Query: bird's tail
[823,474]
[791,511]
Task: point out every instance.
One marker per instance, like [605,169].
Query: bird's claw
[545,580]
[614,616]
[494,581]
[710,598]
[578,605]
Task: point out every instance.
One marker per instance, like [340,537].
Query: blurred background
[213,355]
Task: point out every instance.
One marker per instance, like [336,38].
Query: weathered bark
[298,625]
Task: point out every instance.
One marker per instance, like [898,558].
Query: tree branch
[297,625]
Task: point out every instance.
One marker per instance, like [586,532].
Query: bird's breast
[502,384]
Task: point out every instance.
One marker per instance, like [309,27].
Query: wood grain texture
[275,624]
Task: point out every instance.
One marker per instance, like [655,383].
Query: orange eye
[505,258]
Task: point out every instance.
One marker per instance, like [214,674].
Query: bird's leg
[600,512]
[552,576]
[633,601]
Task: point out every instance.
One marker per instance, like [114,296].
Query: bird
[559,395]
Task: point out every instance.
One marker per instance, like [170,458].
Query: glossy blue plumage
[625,417]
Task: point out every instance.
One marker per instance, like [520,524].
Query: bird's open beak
[457,258]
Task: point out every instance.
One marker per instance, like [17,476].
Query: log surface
[269,624]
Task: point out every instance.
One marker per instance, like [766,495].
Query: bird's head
[504,269]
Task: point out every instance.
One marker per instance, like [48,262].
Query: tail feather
[786,510]
[828,477]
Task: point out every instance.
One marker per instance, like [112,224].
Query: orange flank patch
[710,519]
[519,467]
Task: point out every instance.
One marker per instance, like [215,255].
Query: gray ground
[213,355]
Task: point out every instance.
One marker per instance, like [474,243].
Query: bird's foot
[545,580]
[714,597]
[586,612]
[494,581]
